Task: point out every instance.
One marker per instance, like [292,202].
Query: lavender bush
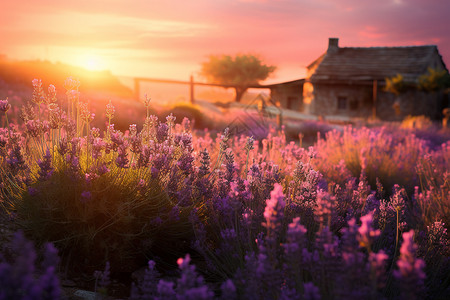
[362,214]
[20,275]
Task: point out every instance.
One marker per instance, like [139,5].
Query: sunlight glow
[92,62]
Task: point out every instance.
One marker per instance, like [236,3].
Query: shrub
[417,122]
[22,278]
[260,219]
[192,112]
[372,152]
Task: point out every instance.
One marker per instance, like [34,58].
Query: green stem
[246,164]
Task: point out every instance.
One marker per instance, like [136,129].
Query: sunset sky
[170,39]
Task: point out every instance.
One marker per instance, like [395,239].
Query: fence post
[280,120]
[191,89]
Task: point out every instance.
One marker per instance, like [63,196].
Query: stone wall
[289,96]
[340,100]
[415,103]
[357,101]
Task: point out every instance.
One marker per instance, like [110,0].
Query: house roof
[362,64]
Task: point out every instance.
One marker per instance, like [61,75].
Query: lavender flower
[166,290]
[103,278]
[45,165]
[326,208]
[98,144]
[170,120]
[162,132]
[16,160]
[4,105]
[311,292]
[190,285]
[438,237]
[274,208]
[296,237]
[122,158]
[34,128]
[38,91]
[410,273]
[366,234]
[205,161]
[71,84]
[18,278]
[186,124]
[147,288]
[86,196]
[110,110]
[377,263]
[228,290]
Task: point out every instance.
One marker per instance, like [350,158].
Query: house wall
[338,99]
[415,103]
[357,101]
[290,96]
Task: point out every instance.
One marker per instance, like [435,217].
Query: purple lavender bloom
[51,257]
[296,237]
[410,273]
[162,132]
[34,128]
[97,146]
[18,279]
[103,278]
[190,285]
[186,124]
[154,171]
[86,196]
[438,237]
[166,290]
[366,233]
[63,146]
[184,163]
[49,286]
[185,140]
[205,162]
[147,288]
[311,292]
[228,290]
[16,160]
[174,213]
[46,170]
[326,208]
[136,143]
[4,105]
[274,210]
[377,263]
[102,169]
[32,191]
[122,158]
[117,138]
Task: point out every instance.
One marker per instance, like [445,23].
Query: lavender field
[164,211]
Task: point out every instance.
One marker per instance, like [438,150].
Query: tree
[239,72]
[434,80]
[397,85]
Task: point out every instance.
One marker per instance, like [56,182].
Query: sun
[92,62]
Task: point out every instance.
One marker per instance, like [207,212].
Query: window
[342,102]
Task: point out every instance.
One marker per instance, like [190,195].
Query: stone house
[350,81]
